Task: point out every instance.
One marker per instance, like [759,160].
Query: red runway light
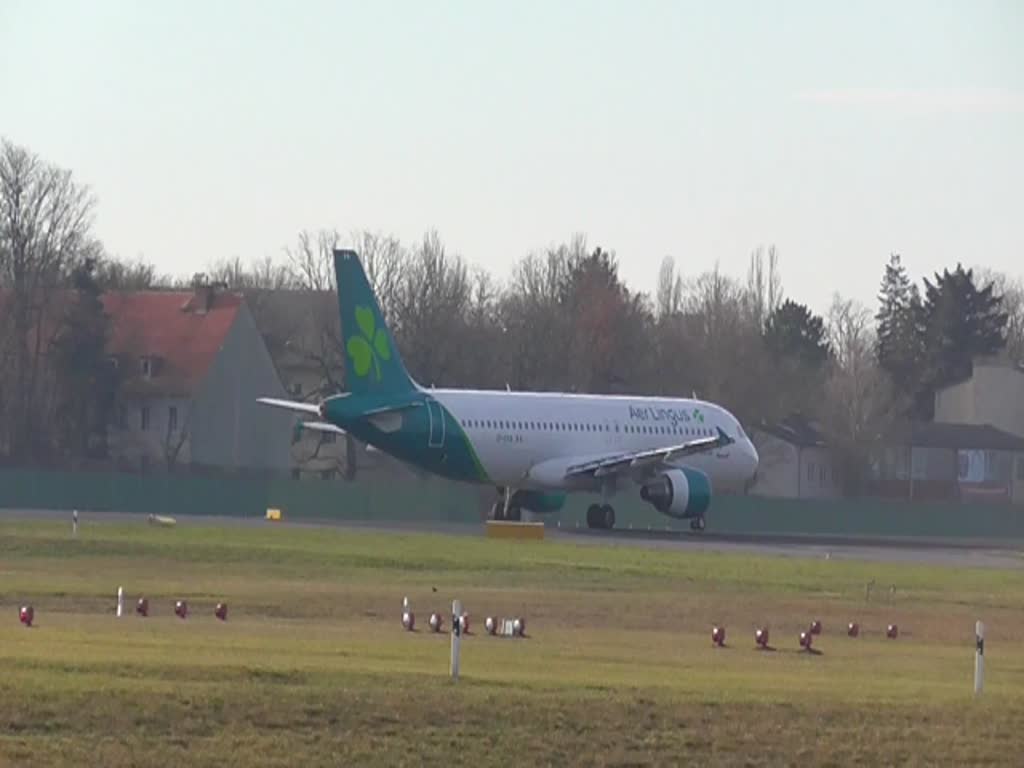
[221,611]
[436,622]
[718,636]
[26,615]
[892,631]
[761,637]
[806,640]
[181,609]
[142,607]
[815,627]
[853,629]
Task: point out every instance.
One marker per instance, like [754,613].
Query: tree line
[562,319]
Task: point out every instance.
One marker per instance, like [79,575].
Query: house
[795,461]
[302,333]
[994,394]
[191,365]
[948,461]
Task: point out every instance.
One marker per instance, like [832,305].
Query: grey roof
[929,434]
[797,430]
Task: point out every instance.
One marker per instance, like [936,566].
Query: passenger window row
[559,426]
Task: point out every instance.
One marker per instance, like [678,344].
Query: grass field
[312,666]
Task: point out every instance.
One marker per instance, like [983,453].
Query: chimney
[204,293]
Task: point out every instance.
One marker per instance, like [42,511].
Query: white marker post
[979,658]
[120,601]
[74,523]
[456,637]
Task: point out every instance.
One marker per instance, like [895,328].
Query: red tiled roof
[167,325]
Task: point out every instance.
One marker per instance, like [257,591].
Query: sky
[840,132]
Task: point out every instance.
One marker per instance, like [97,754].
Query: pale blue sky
[838,131]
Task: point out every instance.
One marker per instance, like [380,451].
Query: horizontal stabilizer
[291,405]
[321,426]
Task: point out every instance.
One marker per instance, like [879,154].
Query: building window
[172,418]
[821,475]
[144,418]
[147,367]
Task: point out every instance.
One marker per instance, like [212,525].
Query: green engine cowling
[538,502]
[680,493]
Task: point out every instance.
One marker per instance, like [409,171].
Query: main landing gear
[498,512]
[503,508]
[600,516]
[697,524]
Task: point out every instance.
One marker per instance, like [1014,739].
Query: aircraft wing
[291,405]
[640,460]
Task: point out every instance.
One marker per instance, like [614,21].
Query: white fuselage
[517,434]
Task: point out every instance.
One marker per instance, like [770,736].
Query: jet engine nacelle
[680,493]
[538,501]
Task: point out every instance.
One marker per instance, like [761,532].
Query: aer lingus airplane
[534,447]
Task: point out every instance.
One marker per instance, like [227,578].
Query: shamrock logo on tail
[698,416]
[369,347]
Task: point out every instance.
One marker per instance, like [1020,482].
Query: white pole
[979,657]
[74,523]
[456,637]
[120,601]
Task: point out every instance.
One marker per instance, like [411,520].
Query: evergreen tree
[793,331]
[86,379]
[899,344]
[961,322]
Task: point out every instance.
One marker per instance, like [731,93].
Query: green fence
[843,517]
[431,500]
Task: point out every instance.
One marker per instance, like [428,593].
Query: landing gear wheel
[594,516]
[607,517]
[514,513]
[697,524]
[497,510]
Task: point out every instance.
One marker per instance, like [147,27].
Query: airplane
[533,447]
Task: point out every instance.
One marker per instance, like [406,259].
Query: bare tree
[175,438]
[430,312]
[858,394]
[138,275]
[669,293]
[45,231]
[312,260]
[764,285]
[384,259]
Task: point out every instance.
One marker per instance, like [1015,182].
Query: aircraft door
[435,415]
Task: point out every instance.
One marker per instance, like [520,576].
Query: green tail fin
[373,365]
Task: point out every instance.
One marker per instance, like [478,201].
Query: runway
[955,553]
